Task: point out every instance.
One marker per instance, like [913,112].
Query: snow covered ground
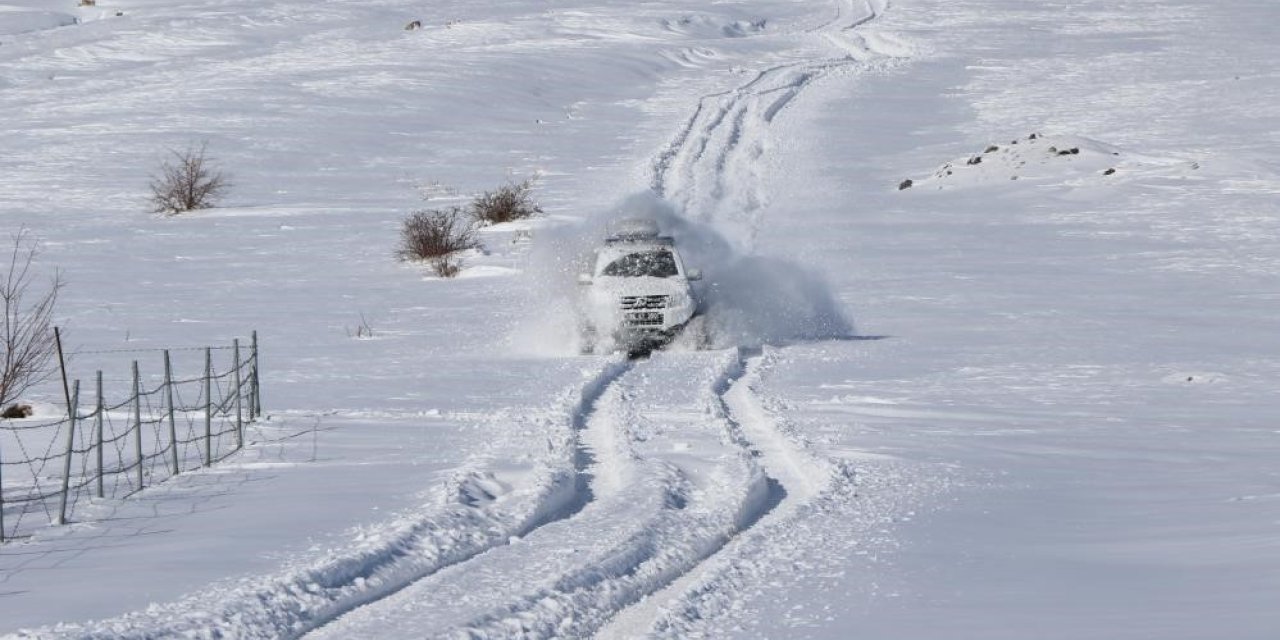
[1031,395]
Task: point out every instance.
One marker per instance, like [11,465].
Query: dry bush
[437,236]
[187,182]
[511,201]
[27,342]
[17,412]
[363,331]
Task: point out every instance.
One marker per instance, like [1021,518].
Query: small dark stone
[1053,149]
[1064,152]
[905,184]
[1032,137]
[1075,151]
[992,148]
[974,160]
[1109,171]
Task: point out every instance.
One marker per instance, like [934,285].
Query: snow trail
[712,171]
[794,476]
[713,167]
[671,483]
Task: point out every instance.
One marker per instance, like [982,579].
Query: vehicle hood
[613,287]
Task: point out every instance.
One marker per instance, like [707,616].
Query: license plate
[645,317]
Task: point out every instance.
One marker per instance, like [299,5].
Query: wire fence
[52,471]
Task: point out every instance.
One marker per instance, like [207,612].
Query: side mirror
[584,279]
[693,274]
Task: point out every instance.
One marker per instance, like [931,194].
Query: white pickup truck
[638,295]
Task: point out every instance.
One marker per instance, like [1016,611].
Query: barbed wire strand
[155,462]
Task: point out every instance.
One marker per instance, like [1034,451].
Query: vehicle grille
[631,303]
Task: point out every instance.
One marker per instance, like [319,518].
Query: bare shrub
[187,182]
[363,331]
[511,201]
[17,412]
[437,236]
[27,342]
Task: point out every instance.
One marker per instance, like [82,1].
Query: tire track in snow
[712,169]
[671,484]
[712,172]
[798,478]
[386,558]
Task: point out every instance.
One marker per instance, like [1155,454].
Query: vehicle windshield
[659,263]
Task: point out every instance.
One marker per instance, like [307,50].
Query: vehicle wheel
[587,340]
[693,335]
[698,333]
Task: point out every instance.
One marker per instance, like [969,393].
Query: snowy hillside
[994,289]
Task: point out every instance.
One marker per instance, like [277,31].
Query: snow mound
[1061,159]
[477,488]
[693,57]
[17,19]
[708,26]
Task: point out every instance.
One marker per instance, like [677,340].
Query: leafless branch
[27,344]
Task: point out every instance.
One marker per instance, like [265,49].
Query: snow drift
[17,19]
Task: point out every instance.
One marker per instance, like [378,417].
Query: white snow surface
[1031,395]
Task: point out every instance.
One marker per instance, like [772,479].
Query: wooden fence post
[208,406]
[255,408]
[62,367]
[99,410]
[137,420]
[71,443]
[173,430]
[235,347]
[1,496]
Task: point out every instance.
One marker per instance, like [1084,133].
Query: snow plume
[749,300]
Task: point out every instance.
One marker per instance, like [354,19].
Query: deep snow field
[1032,395]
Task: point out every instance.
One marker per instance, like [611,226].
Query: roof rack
[666,241]
[636,230]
